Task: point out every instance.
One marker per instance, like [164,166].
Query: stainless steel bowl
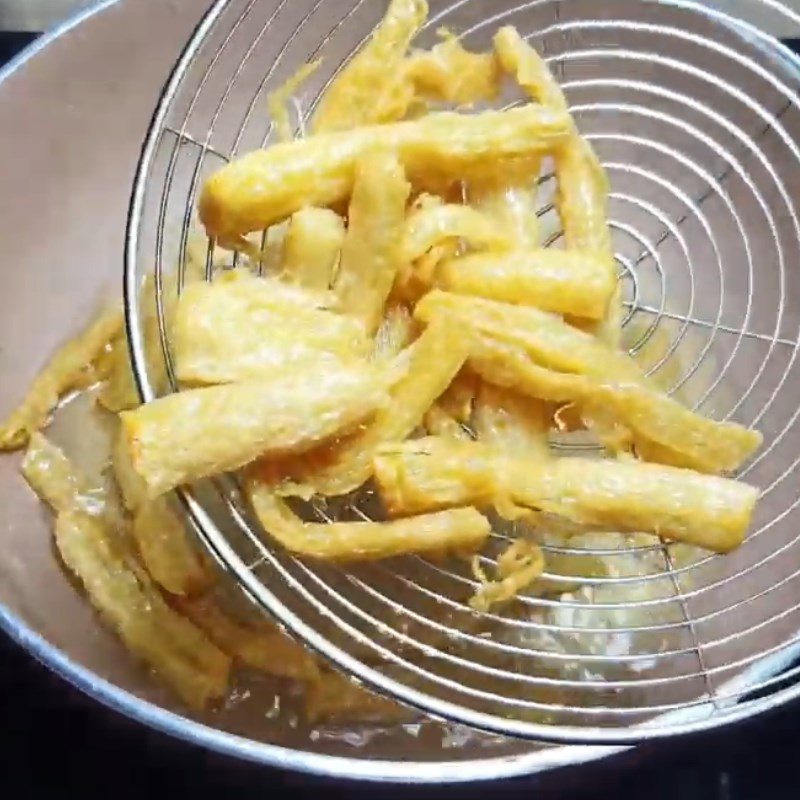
[78,108]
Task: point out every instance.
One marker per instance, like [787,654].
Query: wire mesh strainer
[694,114]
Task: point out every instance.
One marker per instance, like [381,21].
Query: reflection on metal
[37,15]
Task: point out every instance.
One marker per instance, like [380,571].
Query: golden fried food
[72,367]
[512,423]
[461,530]
[311,248]
[652,422]
[676,504]
[56,480]
[175,649]
[582,197]
[550,341]
[167,552]
[582,203]
[362,94]
[564,282]
[395,334]
[540,355]
[449,73]
[194,434]
[383,84]
[371,255]
[434,224]
[510,200]
[260,647]
[97,552]
[519,59]
[434,360]
[518,568]
[266,186]
[242,327]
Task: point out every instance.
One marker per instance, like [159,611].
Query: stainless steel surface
[694,114]
[76,110]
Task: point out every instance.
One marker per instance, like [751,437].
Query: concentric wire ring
[694,115]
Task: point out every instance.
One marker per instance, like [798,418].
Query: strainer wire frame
[706,714]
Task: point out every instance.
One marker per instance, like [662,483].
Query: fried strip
[511,202]
[435,359]
[56,481]
[263,648]
[582,203]
[512,423]
[449,73]
[518,567]
[675,504]
[266,186]
[534,77]
[119,392]
[549,340]
[461,530]
[582,197]
[660,427]
[582,200]
[197,433]
[241,327]
[312,247]
[395,334]
[72,367]
[364,89]
[132,486]
[371,254]
[434,224]
[167,552]
[565,282]
[541,356]
[173,647]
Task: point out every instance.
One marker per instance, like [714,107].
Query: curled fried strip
[267,186]
[433,361]
[362,94]
[518,567]
[676,504]
[461,530]
[312,247]
[539,355]
[371,254]
[564,282]
[72,367]
[178,651]
[263,648]
[197,433]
